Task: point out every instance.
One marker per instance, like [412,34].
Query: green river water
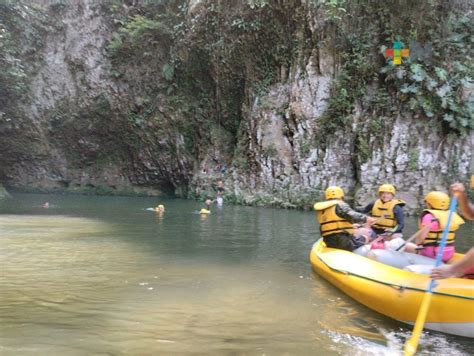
[104,276]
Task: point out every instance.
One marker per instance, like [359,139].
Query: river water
[104,276]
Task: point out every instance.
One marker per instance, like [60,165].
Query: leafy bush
[441,88]
[136,31]
[435,83]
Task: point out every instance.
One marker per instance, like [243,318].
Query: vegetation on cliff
[193,69]
[435,84]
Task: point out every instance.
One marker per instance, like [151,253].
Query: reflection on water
[102,275]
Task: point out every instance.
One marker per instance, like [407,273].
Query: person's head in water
[160,208]
[208,202]
[387,192]
[46,205]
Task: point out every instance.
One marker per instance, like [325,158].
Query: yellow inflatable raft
[397,293]
[204,211]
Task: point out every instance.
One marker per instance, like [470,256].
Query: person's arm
[344,211]
[426,222]
[366,209]
[467,208]
[456,269]
[399,217]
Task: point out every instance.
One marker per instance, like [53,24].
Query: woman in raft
[464,267]
[432,222]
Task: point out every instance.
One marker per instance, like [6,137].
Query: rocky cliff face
[291,161]
[128,97]
[70,131]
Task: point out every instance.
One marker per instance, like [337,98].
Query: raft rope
[393,285]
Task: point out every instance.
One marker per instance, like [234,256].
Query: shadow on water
[105,275]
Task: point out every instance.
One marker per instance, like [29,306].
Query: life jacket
[329,222]
[385,211]
[434,236]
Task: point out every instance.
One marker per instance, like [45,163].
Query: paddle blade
[412,343]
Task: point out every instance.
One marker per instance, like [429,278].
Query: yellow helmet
[334,193]
[160,206]
[387,188]
[438,200]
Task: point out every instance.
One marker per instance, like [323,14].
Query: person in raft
[467,208]
[387,210]
[432,222]
[465,266]
[336,220]
[390,220]
[420,257]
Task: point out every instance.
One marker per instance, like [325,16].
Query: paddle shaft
[411,238]
[412,344]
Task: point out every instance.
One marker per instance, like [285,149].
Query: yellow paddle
[412,343]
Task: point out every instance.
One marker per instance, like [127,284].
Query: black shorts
[344,241]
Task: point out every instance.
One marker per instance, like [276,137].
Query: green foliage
[305,148]
[435,88]
[241,162]
[376,125]
[236,48]
[206,63]
[356,72]
[116,73]
[168,71]
[362,146]
[13,79]
[215,62]
[382,101]
[261,87]
[13,75]
[270,151]
[116,43]
[334,9]
[138,28]
[413,156]
[21,39]
[258,3]
[437,92]
[440,87]
[136,31]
